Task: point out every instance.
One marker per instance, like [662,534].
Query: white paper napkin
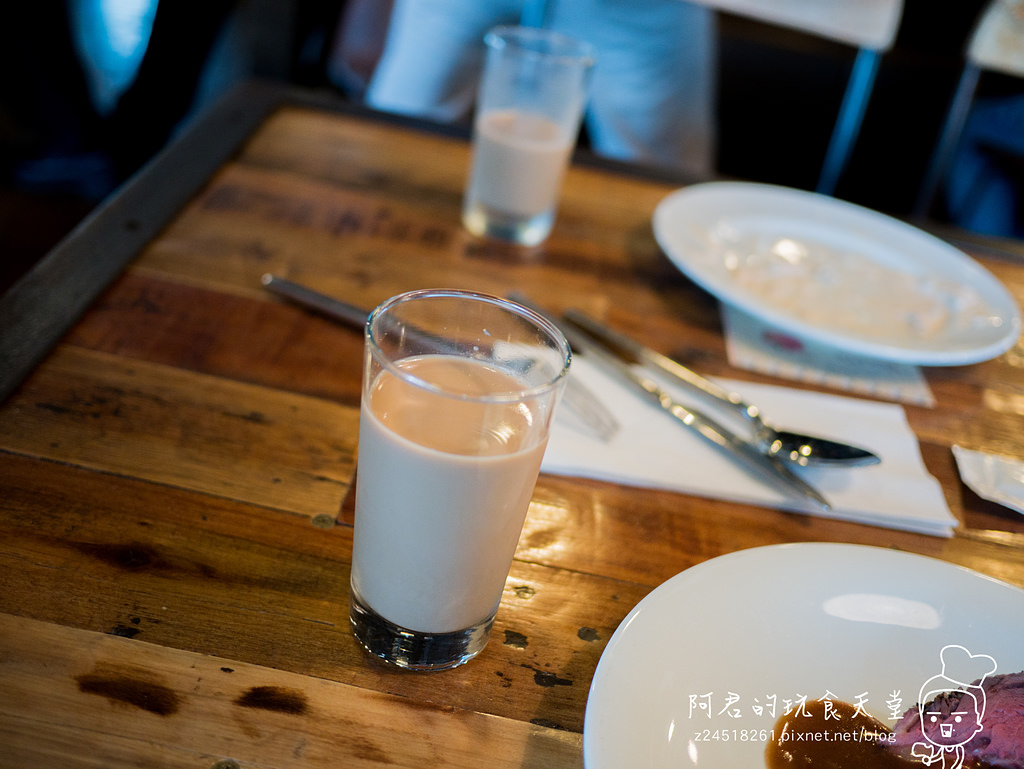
[992,477]
[655,451]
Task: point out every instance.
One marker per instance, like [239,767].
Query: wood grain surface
[176,476]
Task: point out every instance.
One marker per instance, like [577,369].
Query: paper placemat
[755,346]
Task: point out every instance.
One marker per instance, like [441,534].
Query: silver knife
[769,468]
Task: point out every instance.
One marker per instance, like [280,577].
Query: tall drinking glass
[528,114]
[459,391]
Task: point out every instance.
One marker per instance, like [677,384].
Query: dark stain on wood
[548,724]
[124,631]
[139,557]
[253,416]
[97,403]
[275,698]
[547,679]
[368,751]
[123,687]
[518,640]
[132,556]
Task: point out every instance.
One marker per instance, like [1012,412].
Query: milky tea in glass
[459,390]
[529,106]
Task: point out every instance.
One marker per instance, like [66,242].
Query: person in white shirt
[652,96]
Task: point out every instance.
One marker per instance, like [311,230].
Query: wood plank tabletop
[177,460]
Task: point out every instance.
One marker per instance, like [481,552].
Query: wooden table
[176,473]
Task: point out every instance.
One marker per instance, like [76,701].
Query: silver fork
[586,407]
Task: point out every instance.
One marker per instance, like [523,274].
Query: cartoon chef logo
[953,705]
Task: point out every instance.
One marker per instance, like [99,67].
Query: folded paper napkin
[993,477]
[653,450]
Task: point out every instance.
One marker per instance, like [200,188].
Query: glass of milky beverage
[459,391]
[529,106]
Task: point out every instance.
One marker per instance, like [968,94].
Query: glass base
[524,230]
[411,649]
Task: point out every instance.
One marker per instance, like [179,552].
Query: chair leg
[949,140]
[849,119]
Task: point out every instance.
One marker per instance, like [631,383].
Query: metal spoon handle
[314,300]
[578,398]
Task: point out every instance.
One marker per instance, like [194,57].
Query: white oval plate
[840,274]
[784,621]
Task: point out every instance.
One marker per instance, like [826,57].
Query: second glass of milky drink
[459,392]
[528,112]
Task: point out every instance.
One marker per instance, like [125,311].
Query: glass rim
[561,344]
[560,46]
